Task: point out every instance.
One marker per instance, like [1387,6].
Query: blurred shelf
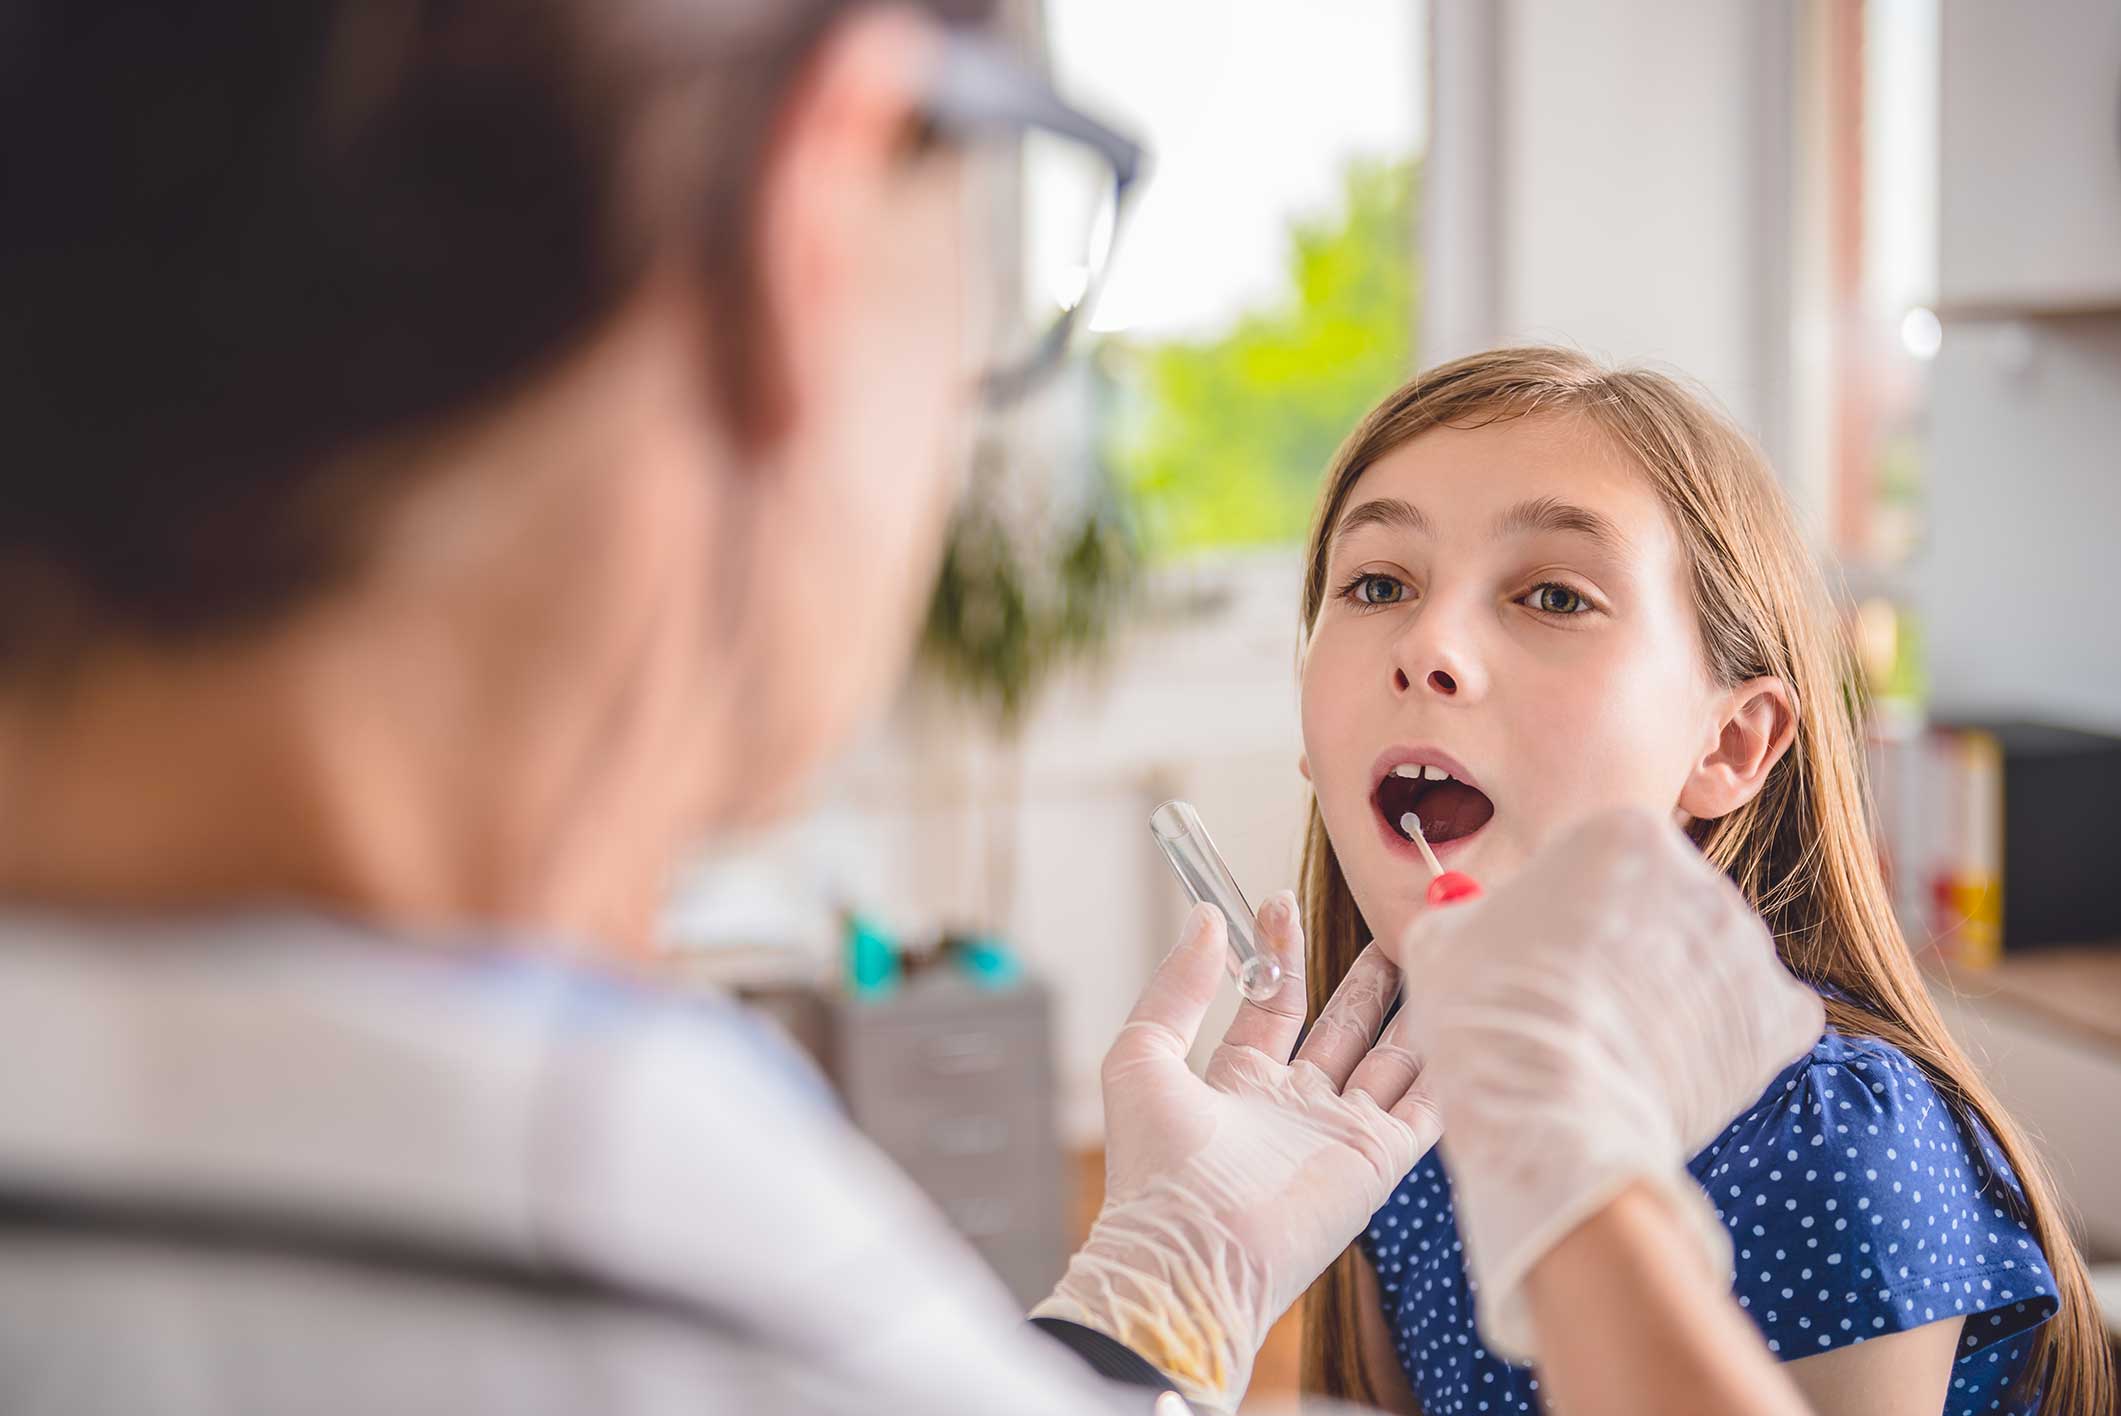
[2091,306]
[2076,991]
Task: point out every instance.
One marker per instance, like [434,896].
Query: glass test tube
[1176,826]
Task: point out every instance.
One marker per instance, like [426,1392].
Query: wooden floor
[1275,1376]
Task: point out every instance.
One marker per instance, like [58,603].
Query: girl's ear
[1303,764]
[1759,723]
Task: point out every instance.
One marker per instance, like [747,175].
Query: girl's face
[1508,605]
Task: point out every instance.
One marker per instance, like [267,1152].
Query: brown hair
[244,236]
[1801,850]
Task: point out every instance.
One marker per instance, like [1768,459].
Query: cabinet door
[2061,1085]
[2022,503]
[2029,197]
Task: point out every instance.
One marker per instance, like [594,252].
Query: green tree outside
[1221,442]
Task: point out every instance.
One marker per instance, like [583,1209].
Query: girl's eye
[1377,589]
[1552,599]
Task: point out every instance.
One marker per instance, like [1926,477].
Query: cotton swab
[1448,885]
[1411,824]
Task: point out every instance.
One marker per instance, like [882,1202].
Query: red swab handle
[1453,885]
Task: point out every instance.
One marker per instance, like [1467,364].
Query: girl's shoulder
[1861,1201]
[1864,1113]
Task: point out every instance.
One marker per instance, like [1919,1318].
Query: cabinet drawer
[938,1067]
[916,1134]
[988,1203]
[1031,1162]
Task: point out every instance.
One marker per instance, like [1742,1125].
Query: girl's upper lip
[1427,756]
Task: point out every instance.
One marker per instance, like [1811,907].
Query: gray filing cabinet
[955,1082]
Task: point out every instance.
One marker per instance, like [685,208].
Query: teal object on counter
[871,957]
[989,962]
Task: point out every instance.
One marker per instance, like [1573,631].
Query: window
[1265,294]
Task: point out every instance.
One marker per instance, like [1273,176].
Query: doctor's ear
[830,182]
[1759,722]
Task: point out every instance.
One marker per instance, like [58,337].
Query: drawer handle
[969,1135]
[962,1054]
[985,1218]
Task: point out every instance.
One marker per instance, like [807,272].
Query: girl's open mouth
[1450,807]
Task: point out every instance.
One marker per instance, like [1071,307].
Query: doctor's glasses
[1062,191]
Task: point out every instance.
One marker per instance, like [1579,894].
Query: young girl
[1538,587]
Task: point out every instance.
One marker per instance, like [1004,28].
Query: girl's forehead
[1502,461]
[1467,481]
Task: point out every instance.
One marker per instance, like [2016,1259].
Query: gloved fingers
[1271,1026]
[1419,1110]
[1234,1067]
[1348,1024]
[1167,1017]
[1391,1067]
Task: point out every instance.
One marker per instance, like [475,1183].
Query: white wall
[1618,178]
[2030,197]
[1625,194]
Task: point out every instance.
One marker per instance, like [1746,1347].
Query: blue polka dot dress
[1859,1204]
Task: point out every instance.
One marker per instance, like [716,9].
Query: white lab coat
[635,1203]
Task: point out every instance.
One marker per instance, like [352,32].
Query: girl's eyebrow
[1553,514]
[1539,514]
[1383,511]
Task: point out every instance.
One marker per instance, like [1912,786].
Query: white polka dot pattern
[1857,1207]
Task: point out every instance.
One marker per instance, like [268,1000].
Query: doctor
[461,453]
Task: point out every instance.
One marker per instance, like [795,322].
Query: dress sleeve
[1861,1204]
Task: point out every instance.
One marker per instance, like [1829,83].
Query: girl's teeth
[1434,773]
[1408,769]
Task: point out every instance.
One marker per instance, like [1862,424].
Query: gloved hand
[1226,1195]
[1592,1022]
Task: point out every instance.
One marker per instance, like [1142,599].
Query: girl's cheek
[1579,745]
[1326,709]
[1632,731]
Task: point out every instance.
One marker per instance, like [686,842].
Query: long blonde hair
[1801,850]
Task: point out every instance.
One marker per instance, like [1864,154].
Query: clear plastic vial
[1200,867]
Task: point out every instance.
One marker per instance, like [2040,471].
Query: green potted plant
[1036,575]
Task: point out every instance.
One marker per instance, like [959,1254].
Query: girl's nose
[1438,682]
[1430,661]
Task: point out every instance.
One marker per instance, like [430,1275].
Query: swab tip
[1411,824]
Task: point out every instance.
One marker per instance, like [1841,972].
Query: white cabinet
[2029,194]
[2023,509]
[2041,1029]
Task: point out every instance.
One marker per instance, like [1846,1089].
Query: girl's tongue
[1448,809]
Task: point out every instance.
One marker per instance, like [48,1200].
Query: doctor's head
[488,354]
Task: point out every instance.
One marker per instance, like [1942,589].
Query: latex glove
[1227,1194]
[1592,1022]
